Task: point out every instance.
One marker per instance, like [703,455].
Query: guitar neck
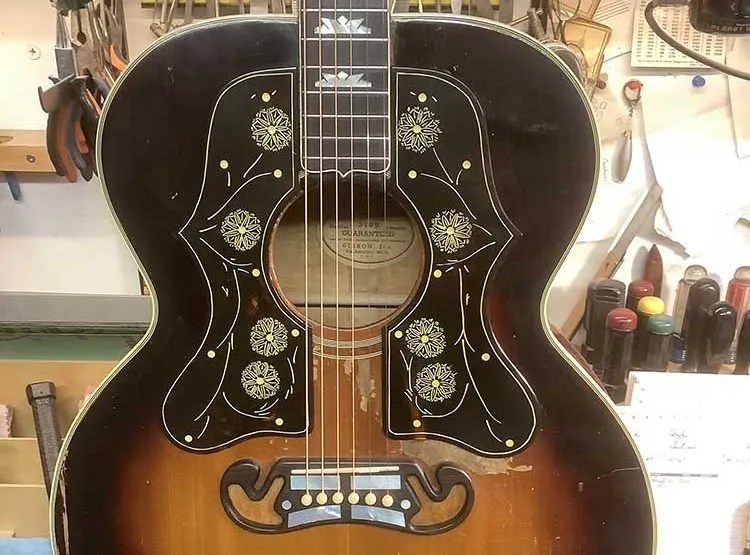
[345,47]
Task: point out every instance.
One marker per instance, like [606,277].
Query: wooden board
[70,377]
[24,150]
[23,510]
[19,462]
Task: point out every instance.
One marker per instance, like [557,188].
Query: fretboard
[345,80]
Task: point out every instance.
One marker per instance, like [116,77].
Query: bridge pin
[370,498]
[338,498]
[321,498]
[353,498]
[306,500]
[387,500]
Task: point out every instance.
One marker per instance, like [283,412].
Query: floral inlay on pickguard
[425,338]
[268,337]
[272,129]
[241,229]
[418,129]
[247,375]
[443,364]
[450,230]
[435,382]
[260,380]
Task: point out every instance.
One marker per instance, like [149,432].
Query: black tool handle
[42,399]
[742,365]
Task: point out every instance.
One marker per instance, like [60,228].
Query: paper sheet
[691,143]
[691,430]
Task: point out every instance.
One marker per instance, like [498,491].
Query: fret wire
[311,91]
[379,116]
[346,66]
[350,38]
[358,138]
[316,10]
[348,158]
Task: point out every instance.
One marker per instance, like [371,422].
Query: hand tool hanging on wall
[89,58]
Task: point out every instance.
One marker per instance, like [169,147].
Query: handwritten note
[693,431]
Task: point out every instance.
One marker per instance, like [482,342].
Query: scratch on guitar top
[434,151]
[249,169]
[483,229]
[617,471]
[520,468]
[453,411]
[218,388]
[225,259]
[205,426]
[453,261]
[253,178]
[452,188]
[365,384]
[458,176]
[237,312]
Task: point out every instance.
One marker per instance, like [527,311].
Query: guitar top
[349,220]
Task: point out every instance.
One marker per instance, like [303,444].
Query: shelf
[24,150]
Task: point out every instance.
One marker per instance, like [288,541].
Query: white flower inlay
[418,129]
[450,230]
[268,337]
[435,382]
[241,229]
[260,380]
[271,129]
[425,338]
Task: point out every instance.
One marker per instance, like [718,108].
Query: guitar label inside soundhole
[356,269]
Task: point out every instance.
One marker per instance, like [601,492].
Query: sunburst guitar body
[349,221]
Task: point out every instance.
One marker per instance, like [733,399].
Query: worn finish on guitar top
[135,481]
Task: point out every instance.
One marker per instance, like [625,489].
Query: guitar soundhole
[371,256]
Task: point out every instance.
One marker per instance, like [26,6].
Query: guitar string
[321,373]
[338,256]
[307,260]
[352,324]
[369,294]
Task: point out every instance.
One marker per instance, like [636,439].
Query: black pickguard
[248,375]
[446,377]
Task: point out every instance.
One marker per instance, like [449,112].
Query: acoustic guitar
[349,221]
